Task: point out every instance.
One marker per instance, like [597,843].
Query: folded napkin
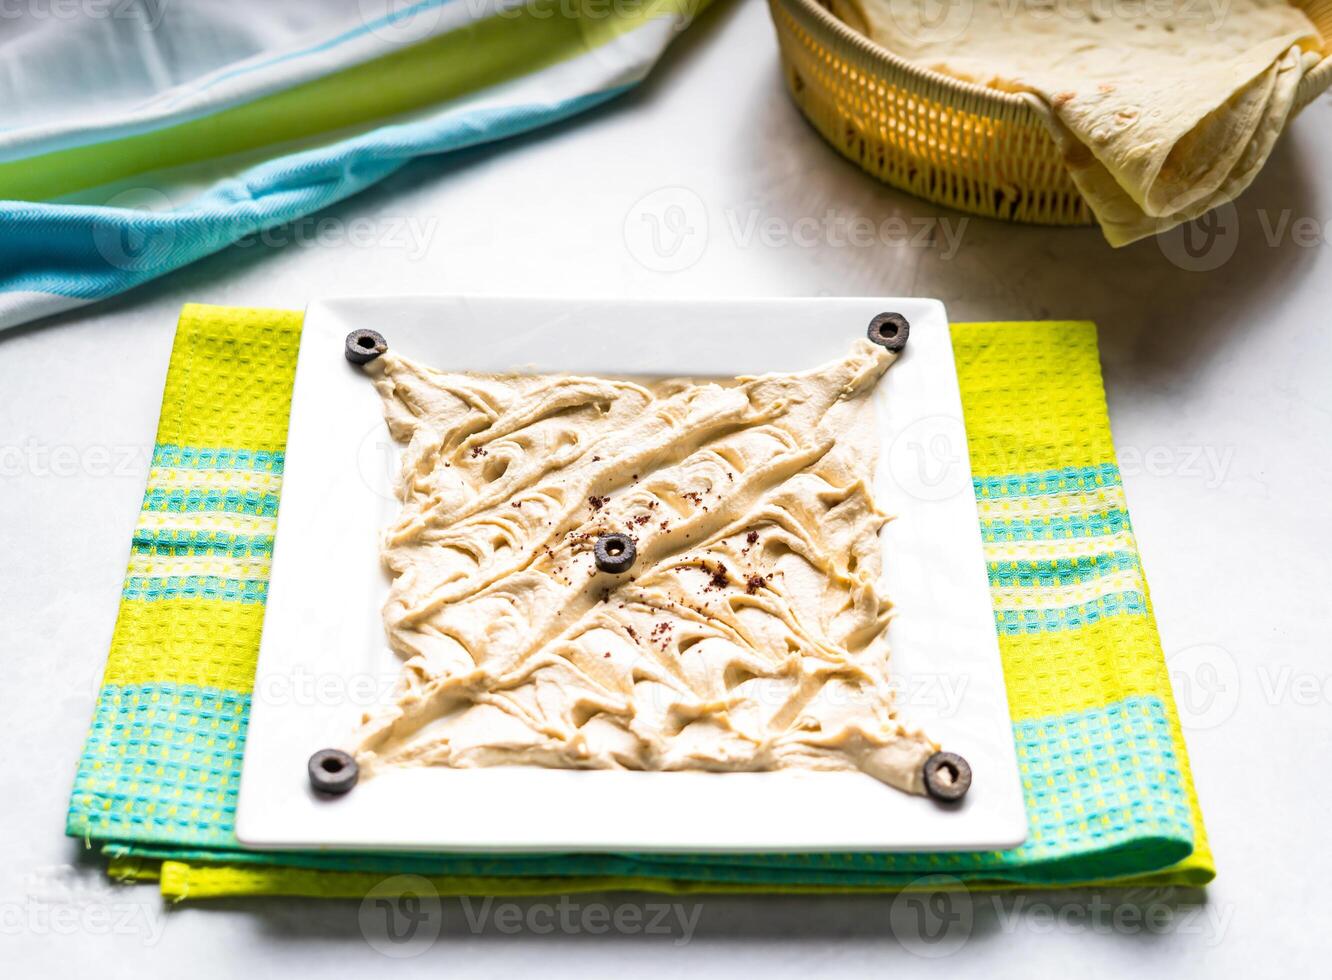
[1103,761]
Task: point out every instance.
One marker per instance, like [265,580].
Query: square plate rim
[253,832]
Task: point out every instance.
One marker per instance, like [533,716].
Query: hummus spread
[747,635]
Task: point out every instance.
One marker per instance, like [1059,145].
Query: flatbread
[1162,109]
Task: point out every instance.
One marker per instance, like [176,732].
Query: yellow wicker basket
[951,142]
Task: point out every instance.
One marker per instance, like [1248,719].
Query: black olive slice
[333,771]
[363,346]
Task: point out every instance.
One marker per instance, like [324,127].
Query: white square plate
[324,658]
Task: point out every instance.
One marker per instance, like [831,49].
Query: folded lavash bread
[1162,109]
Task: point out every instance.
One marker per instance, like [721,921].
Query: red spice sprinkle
[665,525]
[605,654]
[717,576]
[632,633]
[596,503]
[751,537]
[693,497]
[754,583]
[479,451]
[597,459]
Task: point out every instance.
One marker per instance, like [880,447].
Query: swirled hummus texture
[749,633]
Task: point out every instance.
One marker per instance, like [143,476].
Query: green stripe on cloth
[1060,571]
[1073,479]
[1056,528]
[479,55]
[1071,617]
[153,588]
[179,543]
[217,458]
[224,501]
[164,761]
[1103,762]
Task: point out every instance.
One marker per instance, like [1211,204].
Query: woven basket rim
[876,52]
[1317,78]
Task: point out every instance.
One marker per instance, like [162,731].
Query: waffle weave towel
[1104,767]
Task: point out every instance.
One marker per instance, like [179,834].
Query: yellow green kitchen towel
[1103,763]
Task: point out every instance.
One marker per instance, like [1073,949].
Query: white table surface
[1219,394]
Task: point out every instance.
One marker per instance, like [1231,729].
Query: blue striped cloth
[87,222]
